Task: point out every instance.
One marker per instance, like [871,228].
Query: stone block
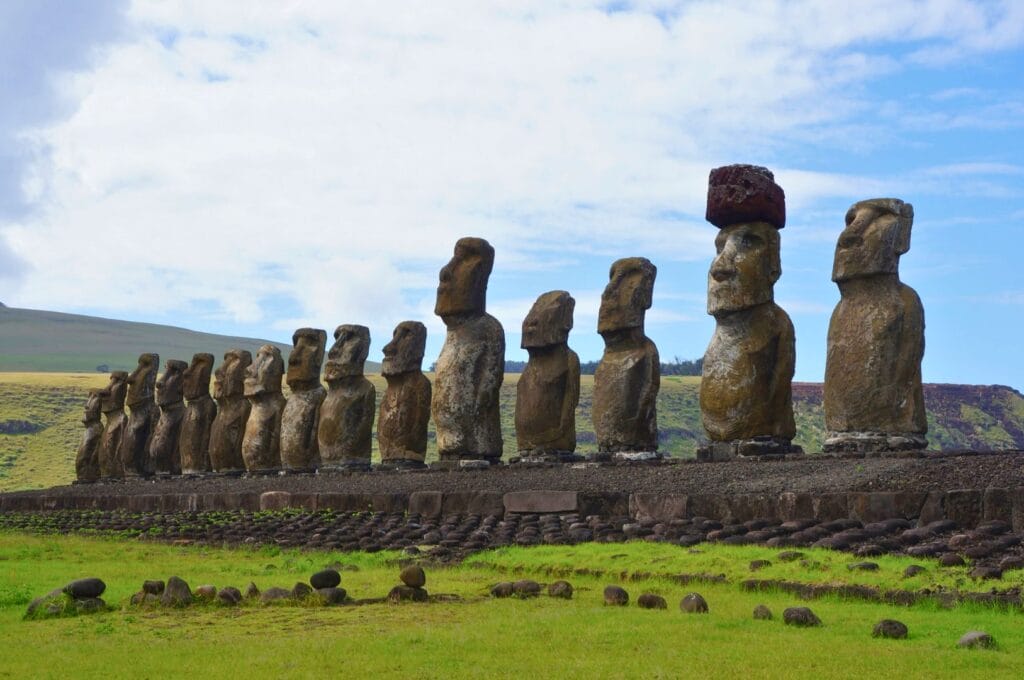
[389,502]
[144,503]
[997,504]
[933,508]
[426,503]
[473,503]
[1017,499]
[873,506]
[305,501]
[275,500]
[658,506]
[179,502]
[344,502]
[111,502]
[540,501]
[830,506]
[963,506]
[909,503]
[711,506]
[793,506]
[604,504]
[24,503]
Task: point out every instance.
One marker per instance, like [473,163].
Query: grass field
[475,637]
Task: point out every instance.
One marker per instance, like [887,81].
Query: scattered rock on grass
[85,587]
[759,564]
[301,590]
[332,595]
[694,603]
[616,596]
[503,589]
[153,587]
[976,638]
[562,589]
[800,616]
[413,576]
[275,595]
[913,570]
[327,578]
[986,573]
[651,601]
[863,566]
[762,613]
[526,588]
[229,596]
[207,592]
[789,556]
[407,594]
[252,591]
[951,560]
[890,628]
[176,593]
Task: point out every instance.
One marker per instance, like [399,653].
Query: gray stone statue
[163,445]
[873,396]
[346,416]
[233,408]
[112,441]
[549,388]
[299,424]
[261,445]
[405,407]
[628,376]
[200,411]
[745,394]
[142,415]
[471,366]
[87,462]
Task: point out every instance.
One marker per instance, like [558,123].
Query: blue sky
[250,171]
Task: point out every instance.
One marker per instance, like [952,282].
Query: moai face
[306,357]
[745,268]
[169,385]
[142,380]
[348,353]
[92,406]
[113,395]
[877,232]
[462,289]
[197,376]
[549,320]
[627,296]
[405,351]
[263,376]
[229,378]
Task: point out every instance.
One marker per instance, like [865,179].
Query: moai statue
[261,445]
[346,417]
[299,449]
[111,442]
[549,388]
[873,397]
[745,394]
[87,463]
[405,407]
[471,367]
[628,376]
[142,415]
[233,408]
[163,445]
[200,412]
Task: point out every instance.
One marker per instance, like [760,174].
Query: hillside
[34,340]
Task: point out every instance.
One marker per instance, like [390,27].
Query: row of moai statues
[873,396]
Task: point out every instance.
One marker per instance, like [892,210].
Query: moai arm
[647,404]
[782,378]
[572,394]
[369,411]
[492,372]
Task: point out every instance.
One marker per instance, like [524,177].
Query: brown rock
[694,603]
[407,594]
[628,376]
[112,406]
[525,588]
[561,589]
[228,429]
[471,367]
[207,592]
[890,628]
[800,616]
[413,576]
[142,416]
[300,420]
[549,389]
[763,613]
[503,589]
[261,444]
[651,601]
[200,412]
[616,596]
[346,416]
[87,461]
[163,445]
[873,398]
[405,407]
[744,193]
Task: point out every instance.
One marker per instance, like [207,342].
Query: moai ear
[774,256]
[906,221]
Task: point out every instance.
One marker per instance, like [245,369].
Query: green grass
[477,637]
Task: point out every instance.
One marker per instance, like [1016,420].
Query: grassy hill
[40,420]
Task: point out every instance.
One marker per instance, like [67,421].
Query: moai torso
[345,431]
[200,412]
[87,464]
[142,415]
[405,406]
[112,406]
[261,445]
[163,446]
[300,420]
[228,429]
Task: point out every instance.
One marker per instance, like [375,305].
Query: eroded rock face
[200,412]
[405,408]
[549,388]
[299,449]
[142,415]
[745,394]
[346,417]
[228,429]
[163,446]
[87,462]
[873,396]
[628,376]
[471,366]
[111,442]
[261,445]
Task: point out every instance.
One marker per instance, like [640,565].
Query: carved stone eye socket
[751,241]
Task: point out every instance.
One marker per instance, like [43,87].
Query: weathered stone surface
[503,589]
[153,587]
[426,503]
[693,603]
[261,444]
[628,376]
[301,590]
[300,420]
[163,445]
[800,616]
[413,576]
[228,429]
[976,639]
[913,570]
[346,417]
[616,596]
[407,594]
[405,407]
[651,601]
[549,388]
[87,461]
[525,588]
[85,587]
[325,578]
[744,193]
[332,595]
[200,412]
[890,628]
[51,604]
[142,415]
[541,501]
[276,596]
[658,507]
[205,592]
[763,613]
[229,596]
[471,367]
[560,589]
[176,593]
[873,397]
[112,406]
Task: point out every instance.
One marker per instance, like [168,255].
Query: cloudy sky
[249,168]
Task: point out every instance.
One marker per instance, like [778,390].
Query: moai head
[142,381]
[197,376]
[749,208]
[112,396]
[92,406]
[627,296]
[462,289]
[306,357]
[549,320]
[877,232]
[263,376]
[348,353]
[169,385]
[405,351]
[229,378]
